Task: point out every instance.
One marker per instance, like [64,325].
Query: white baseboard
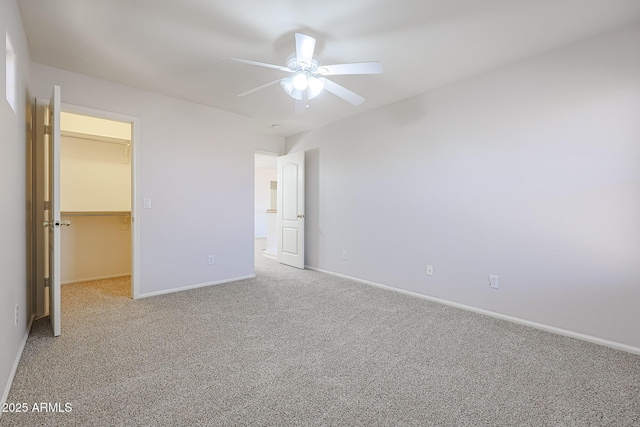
[199,285]
[88,279]
[270,255]
[16,362]
[542,326]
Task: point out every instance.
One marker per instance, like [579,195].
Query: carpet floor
[303,348]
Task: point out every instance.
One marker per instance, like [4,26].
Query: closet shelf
[95,213]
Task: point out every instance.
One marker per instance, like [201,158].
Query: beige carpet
[302,348]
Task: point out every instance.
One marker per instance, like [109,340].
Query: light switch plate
[493,281]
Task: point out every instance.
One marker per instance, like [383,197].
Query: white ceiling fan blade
[305,45]
[342,92]
[355,68]
[259,87]
[259,64]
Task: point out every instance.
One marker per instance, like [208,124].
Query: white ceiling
[175,47]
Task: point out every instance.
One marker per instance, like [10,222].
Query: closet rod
[97,138]
[123,213]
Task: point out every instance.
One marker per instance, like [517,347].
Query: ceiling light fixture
[300,80]
[302,83]
[311,86]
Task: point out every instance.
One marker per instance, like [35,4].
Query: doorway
[280,185]
[95,197]
[266,180]
[85,134]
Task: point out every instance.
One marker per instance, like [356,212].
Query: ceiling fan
[307,76]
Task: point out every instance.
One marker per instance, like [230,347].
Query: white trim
[88,279]
[270,255]
[268,153]
[198,285]
[135,218]
[16,362]
[542,326]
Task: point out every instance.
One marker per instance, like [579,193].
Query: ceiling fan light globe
[315,87]
[300,80]
[287,86]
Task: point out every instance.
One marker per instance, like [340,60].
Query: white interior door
[290,216]
[52,122]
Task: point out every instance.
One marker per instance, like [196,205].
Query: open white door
[290,217]
[52,126]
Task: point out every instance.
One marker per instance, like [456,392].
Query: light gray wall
[530,172]
[196,164]
[14,288]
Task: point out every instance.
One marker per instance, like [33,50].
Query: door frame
[135,158]
[39,290]
[274,156]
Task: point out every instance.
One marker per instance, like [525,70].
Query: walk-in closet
[95,196]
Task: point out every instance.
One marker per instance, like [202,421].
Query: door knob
[58,223]
[301,216]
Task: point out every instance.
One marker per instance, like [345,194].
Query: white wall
[196,165]
[14,278]
[530,172]
[263,178]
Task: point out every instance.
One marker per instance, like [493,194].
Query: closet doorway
[96,188]
[266,180]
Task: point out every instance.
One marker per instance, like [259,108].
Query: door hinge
[47,129]
[47,205]
[47,282]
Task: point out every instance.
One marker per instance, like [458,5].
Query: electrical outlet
[211,260]
[493,281]
[429,270]
[344,255]
[16,317]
